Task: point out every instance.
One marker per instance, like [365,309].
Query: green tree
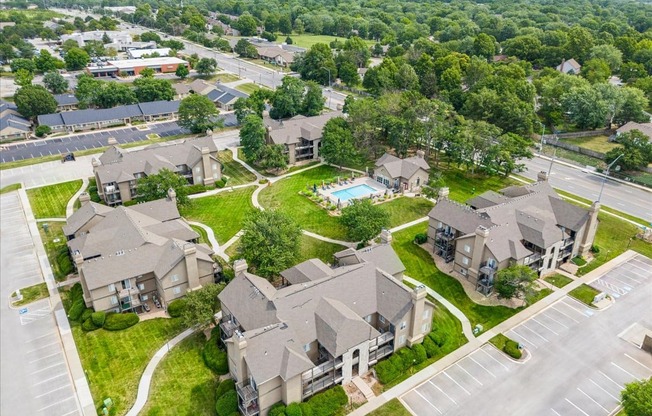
[112,94]
[363,220]
[635,148]
[76,59]
[348,73]
[34,100]
[514,282]
[316,64]
[596,71]
[337,143]
[637,398]
[153,89]
[585,107]
[288,98]
[358,51]
[182,72]
[608,53]
[150,36]
[270,242]
[45,62]
[274,158]
[313,100]
[246,24]
[22,63]
[6,52]
[23,78]
[197,113]
[87,90]
[153,187]
[55,82]
[245,49]
[201,305]
[105,38]
[252,137]
[206,66]
[632,106]
[147,73]
[579,44]
[484,45]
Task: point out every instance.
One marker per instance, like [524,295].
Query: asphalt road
[94,139]
[580,360]
[617,195]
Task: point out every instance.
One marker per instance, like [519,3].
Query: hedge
[176,307]
[511,349]
[224,387]
[438,338]
[421,238]
[220,184]
[42,130]
[119,321]
[86,314]
[227,404]
[88,325]
[420,354]
[277,410]
[215,358]
[196,189]
[98,318]
[386,371]
[431,348]
[326,403]
[407,357]
[76,292]
[76,310]
[293,410]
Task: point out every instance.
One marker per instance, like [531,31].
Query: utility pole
[604,178]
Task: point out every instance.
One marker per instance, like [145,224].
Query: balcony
[567,242]
[382,352]
[532,258]
[246,392]
[488,269]
[321,369]
[250,410]
[227,328]
[111,189]
[382,339]
[319,385]
[124,293]
[445,235]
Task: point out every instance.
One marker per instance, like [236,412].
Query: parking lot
[34,373]
[579,359]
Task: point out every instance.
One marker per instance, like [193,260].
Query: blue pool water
[354,192]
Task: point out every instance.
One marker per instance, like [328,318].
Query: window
[114,300]
[401,340]
[306,347]
[141,286]
[463,271]
[111,287]
[176,290]
[465,261]
[381,318]
[426,313]
[368,318]
[418,181]
[467,248]
[403,325]
[198,169]
[214,166]
[175,277]
[144,297]
[424,328]
[126,284]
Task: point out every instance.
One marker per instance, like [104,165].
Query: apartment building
[126,256]
[117,171]
[286,344]
[527,225]
[405,175]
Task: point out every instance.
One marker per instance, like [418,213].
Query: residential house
[645,128]
[79,120]
[287,344]
[300,135]
[569,67]
[276,55]
[181,91]
[200,87]
[131,67]
[528,225]
[117,171]
[66,102]
[406,175]
[126,256]
[13,126]
[225,97]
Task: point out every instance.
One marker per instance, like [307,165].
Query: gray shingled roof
[83,215]
[307,271]
[402,168]
[487,199]
[382,255]
[292,130]
[66,99]
[461,217]
[339,328]
[14,121]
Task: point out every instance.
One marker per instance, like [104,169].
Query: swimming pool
[354,192]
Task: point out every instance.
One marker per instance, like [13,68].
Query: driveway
[34,374]
[580,359]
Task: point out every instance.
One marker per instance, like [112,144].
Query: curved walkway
[209,232]
[466,325]
[51,220]
[70,208]
[146,378]
[329,240]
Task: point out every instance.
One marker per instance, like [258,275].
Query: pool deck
[327,193]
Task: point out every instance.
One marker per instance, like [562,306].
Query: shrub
[76,310]
[511,349]
[227,404]
[86,314]
[196,189]
[386,371]
[421,238]
[64,263]
[88,325]
[326,403]
[130,203]
[407,357]
[120,321]
[293,410]
[579,261]
[595,249]
[420,354]
[176,307]
[76,292]
[224,387]
[277,410]
[438,338]
[220,184]
[215,358]
[98,318]
[431,348]
[42,130]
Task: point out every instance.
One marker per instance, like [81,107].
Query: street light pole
[604,179]
[330,92]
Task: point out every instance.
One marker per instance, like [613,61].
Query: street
[587,185]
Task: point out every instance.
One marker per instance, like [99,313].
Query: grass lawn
[391,408]
[584,293]
[50,201]
[582,159]
[114,361]
[307,40]
[309,248]
[248,88]
[595,143]
[404,209]
[203,236]
[224,212]
[182,384]
[238,174]
[420,265]
[10,188]
[224,78]
[54,242]
[284,196]
[587,203]
[558,280]
[499,341]
[32,294]
[464,186]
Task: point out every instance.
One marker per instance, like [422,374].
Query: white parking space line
[545,326]
[555,412]
[591,398]
[42,336]
[51,378]
[492,374]
[458,384]
[625,371]
[490,356]
[553,319]
[532,344]
[534,332]
[627,276]
[69,413]
[444,393]
[610,379]
[47,356]
[462,368]
[59,402]
[48,367]
[430,403]
[52,391]
[608,394]
[581,312]
[578,408]
[638,362]
[44,346]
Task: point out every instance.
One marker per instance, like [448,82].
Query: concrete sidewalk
[424,375]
